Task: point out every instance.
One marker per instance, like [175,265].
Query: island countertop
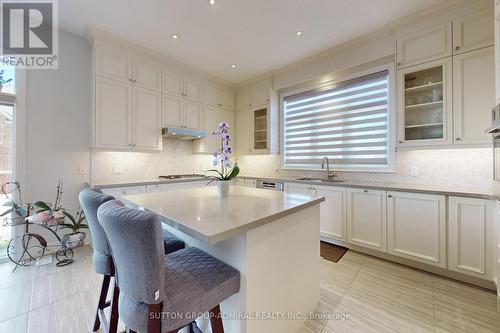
[201,214]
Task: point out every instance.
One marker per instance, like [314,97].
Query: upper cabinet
[425,94]
[473,95]
[182,86]
[127,102]
[113,65]
[423,46]
[253,97]
[446,82]
[146,75]
[473,31]
[217,97]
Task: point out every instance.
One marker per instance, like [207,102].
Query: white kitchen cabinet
[192,114]
[244,128]
[146,124]
[474,31]
[244,100]
[425,104]
[333,220]
[179,112]
[473,95]
[118,192]
[238,182]
[146,75]
[366,218]
[424,46]
[250,183]
[182,86]
[218,97]
[154,188]
[470,237]
[254,97]
[113,64]
[173,84]
[173,111]
[113,109]
[416,227]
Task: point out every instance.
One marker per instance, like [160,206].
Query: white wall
[58,106]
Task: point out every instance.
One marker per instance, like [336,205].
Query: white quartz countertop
[199,212]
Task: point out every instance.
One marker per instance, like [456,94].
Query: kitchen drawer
[124,190]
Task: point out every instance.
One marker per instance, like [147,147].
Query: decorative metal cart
[26,248]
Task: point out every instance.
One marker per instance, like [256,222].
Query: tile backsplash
[438,167]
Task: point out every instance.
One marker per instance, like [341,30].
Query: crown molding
[94,34]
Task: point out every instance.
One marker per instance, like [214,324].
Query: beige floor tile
[14,301]
[52,288]
[337,277]
[8,278]
[345,320]
[62,316]
[400,316]
[312,326]
[463,308]
[17,324]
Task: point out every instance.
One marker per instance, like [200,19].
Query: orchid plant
[222,155]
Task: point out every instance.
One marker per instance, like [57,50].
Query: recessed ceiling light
[299,33]
[211,2]
[233,66]
[174,36]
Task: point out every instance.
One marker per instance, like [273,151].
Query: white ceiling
[257,35]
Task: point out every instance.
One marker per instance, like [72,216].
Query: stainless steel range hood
[180,133]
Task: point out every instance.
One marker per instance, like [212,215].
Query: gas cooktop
[186,176]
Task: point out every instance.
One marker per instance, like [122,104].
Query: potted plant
[2,80]
[76,237]
[222,158]
[49,214]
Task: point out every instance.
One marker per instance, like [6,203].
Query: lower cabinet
[416,227]
[471,237]
[333,222]
[366,218]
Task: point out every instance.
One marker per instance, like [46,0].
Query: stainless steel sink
[321,180]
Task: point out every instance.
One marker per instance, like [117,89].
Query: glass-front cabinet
[260,129]
[424,102]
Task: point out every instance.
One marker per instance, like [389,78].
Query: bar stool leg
[102,301]
[113,321]
[216,320]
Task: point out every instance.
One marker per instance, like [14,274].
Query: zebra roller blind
[347,122]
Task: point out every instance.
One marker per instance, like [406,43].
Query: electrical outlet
[117,170]
[81,170]
[414,172]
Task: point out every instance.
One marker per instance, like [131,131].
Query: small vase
[223,188]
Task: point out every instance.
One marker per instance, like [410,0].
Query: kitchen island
[271,237]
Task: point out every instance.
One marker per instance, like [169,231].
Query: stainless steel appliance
[181,133]
[184,176]
[495,131]
[270,185]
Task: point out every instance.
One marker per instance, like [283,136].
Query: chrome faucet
[330,174]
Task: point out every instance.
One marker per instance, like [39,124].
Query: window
[7,107]
[348,122]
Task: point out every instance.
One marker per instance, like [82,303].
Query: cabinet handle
[457,48]
[400,141]
[399,64]
[135,81]
[130,80]
[458,139]
[389,196]
[366,191]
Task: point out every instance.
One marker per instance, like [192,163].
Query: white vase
[75,240]
[223,188]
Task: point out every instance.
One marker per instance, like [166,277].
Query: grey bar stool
[90,200]
[153,285]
